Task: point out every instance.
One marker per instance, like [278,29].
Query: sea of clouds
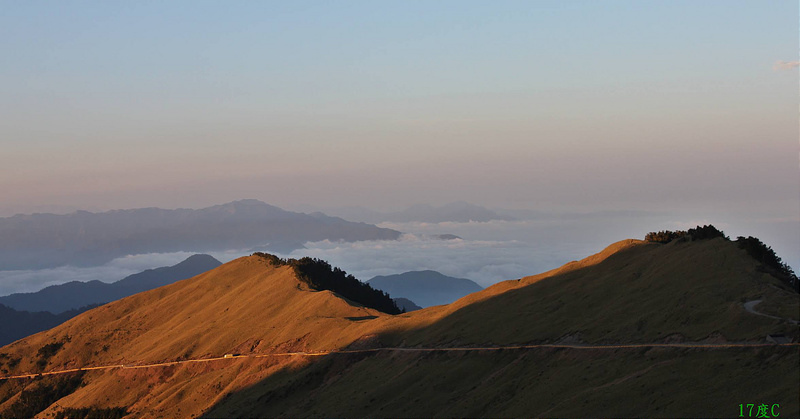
[485,252]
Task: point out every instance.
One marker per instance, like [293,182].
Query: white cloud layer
[487,252]
[483,261]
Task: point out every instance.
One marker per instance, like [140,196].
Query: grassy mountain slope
[243,306]
[542,383]
[631,292]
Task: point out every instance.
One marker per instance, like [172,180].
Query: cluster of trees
[40,396]
[698,233]
[320,275]
[770,262]
[50,349]
[7,361]
[664,236]
[705,233]
[46,352]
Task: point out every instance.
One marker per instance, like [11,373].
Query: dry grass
[631,292]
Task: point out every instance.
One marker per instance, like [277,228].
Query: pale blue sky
[562,104]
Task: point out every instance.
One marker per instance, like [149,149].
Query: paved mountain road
[750,306]
[460,349]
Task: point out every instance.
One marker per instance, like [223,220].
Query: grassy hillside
[244,306]
[546,383]
[632,292]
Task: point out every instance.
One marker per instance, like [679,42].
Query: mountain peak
[199,258]
[249,207]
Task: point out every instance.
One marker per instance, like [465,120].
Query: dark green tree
[320,275]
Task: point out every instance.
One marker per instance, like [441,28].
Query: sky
[529,104]
[685,108]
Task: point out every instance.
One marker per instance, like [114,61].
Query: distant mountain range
[425,288]
[16,324]
[76,294]
[86,239]
[461,212]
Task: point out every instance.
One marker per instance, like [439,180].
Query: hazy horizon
[487,252]
[681,108]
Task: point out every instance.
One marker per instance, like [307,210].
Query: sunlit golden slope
[631,292]
[243,306]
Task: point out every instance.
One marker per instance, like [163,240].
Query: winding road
[400,349]
[750,306]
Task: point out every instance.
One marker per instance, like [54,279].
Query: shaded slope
[631,292]
[548,383]
[76,294]
[426,288]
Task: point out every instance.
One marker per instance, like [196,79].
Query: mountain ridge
[690,291]
[459,212]
[84,238]
[17,324]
